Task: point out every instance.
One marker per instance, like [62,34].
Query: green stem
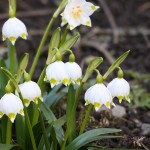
[12,8]
[70,103]
[12,56]
[88,111]
[44,133]
[28,122]
[9,132]
[64,35]
[36,114]
[72,114]
[41,84]
[47,31]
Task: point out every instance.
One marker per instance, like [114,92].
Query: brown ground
[124,27]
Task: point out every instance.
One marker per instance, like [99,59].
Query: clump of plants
[27,121]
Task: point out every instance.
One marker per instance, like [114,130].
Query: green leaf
[57,124]
[10,76]
[54,42]
[20,130]
[92,65]
[8,147]
[54,140]
[70,103]
[116,63]
[47,113]
[89,136]
[3,79]
[22,66]
[69,43]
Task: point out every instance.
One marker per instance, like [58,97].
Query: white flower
[98,95]
[119,88]
[56,73]
[77,12]
[11,105]
[12,29]
[30,92]
[74,71]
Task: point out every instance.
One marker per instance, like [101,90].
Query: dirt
[131,15]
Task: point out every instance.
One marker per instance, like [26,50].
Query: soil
[132,18]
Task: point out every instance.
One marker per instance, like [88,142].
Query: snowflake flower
[14,28]
[119,88]
[98,95]
[77,12]
[30,92]
[56,73]
[74,71]
[11,105]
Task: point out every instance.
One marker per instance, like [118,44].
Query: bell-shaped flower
[74,71]
[30,92]
[14,28]
[98,95]
[77,12]
[11,105]
[119,88]
[56,73]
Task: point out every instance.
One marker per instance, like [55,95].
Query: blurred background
[118,26]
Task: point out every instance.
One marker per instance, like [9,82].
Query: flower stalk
[88,111]
[9,132]
[72,114]
[12,8]
[46,33]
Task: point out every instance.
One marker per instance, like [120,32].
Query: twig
[32,13]
[110,19]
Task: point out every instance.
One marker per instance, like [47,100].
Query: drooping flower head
[56,73]
[11,105]
[74,70]
[119,87]
[98,95]
[30,92]
[77,12]
[14,28]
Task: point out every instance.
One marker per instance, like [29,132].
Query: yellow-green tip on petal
[128,98]
[88,23]
[24,36]
[120,98]
[3,37]
[52,82]
[21,112]
[65,81]
[86,102]
[97,105]
[11,117]
[36,99]
[26,102]
[78,81]
[108,104]
[1,114]
[12,40]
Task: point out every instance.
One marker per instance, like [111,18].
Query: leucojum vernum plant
[27,121]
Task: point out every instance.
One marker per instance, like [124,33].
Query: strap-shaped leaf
[9,147]
[22,66]
[11,77]
[69,43]
[70,103]
[116,64]
[88,137]
[92,66]
[54,42]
